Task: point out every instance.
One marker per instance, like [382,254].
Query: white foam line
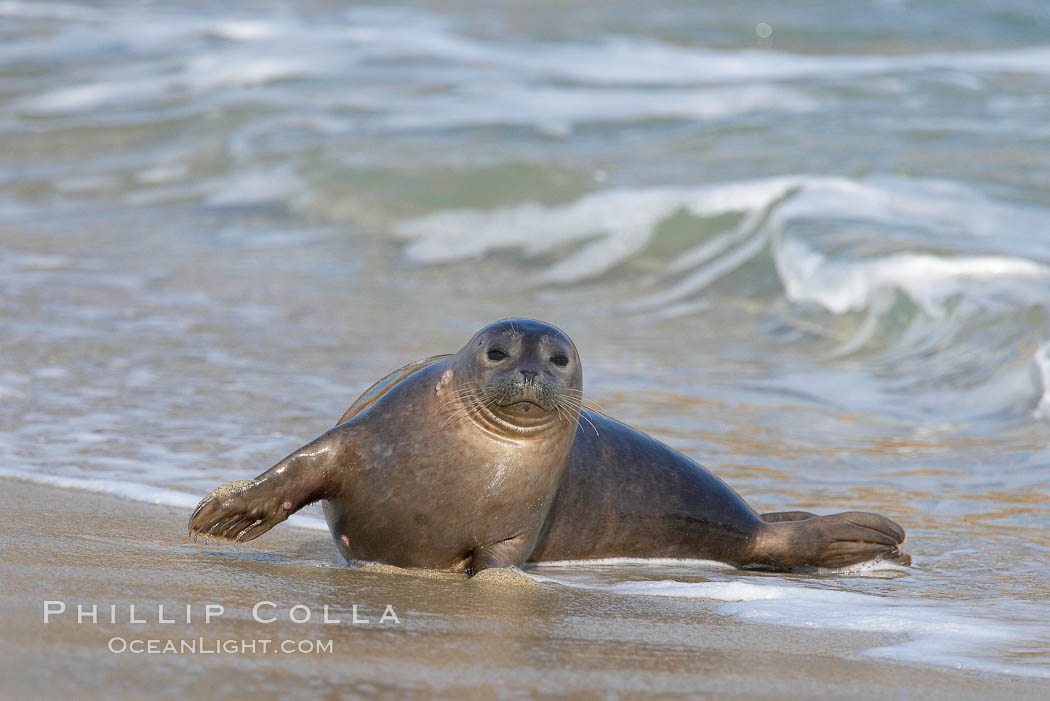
[875,568]
[871,567]
[938,635]
[138,492]
[652,562]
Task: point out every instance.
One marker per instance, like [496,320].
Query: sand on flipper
[379,568]
[504,577]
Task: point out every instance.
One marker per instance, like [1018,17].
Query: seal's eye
[496,355]
[560,360]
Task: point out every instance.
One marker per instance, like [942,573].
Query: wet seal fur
[452,465]
[486,458]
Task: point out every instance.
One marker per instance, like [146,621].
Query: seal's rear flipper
[834,541]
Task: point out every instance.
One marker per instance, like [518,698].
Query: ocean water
[807,245]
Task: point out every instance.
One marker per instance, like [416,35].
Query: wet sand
[502,636]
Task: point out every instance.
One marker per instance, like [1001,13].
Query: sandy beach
[500,636]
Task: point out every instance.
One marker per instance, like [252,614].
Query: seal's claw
[901,558]
[246,534]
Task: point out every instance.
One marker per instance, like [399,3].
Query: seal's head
[521,374]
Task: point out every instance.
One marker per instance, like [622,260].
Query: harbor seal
[451,463]
[618,492]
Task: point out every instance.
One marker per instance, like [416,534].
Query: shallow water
[818,262]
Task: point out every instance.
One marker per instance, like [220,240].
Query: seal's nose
[529,376]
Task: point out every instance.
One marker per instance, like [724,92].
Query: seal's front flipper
[239,511]
[244,510]
[832,541]
[780,516]
[505,553]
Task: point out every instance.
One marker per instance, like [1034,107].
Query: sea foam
[938,633]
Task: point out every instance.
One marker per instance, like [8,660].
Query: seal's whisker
[459,413]
[584,417]
[567,413]
[472,403]
[457,398]
[569,418]
[584,401]
[570,403]
[463,393]
[454,400]
[576,420]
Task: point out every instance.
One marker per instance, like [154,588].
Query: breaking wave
[610,227]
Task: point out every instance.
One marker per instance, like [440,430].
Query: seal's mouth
[525,399]
[524,405]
